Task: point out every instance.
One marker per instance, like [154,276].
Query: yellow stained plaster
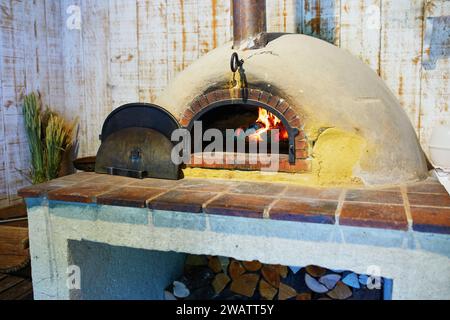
[336,156]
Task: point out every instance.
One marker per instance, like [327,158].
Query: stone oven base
[401,232]
[416,262]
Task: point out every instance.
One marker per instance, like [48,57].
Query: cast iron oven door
[136,143]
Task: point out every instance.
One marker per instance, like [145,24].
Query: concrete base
[64,234]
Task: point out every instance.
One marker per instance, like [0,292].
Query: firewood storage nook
[340,131]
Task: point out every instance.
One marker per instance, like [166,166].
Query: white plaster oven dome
[328,88]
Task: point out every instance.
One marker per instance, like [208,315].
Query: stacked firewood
[221,278]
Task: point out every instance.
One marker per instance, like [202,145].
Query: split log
[286,292]
[245,284]
[271,275]
[235,269]
[282,270]
[220,282]
[266,290]
[340,292]
[315,271]
[252,266]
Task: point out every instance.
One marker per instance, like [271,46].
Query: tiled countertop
[424,206]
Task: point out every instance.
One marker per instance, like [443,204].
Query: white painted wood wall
[128,50]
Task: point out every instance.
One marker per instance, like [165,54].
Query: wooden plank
[361,30]
[214,25]
[182,35]
[95,44]
[224,23]
[13,88]
[53,35]
[13,211]
[152,48]
[435,86]
[322,19]
[19,291]
[123,44]
[400,57]
[283,15]
[9,282]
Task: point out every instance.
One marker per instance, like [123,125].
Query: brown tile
[429,199]
[181,200]
[85,192]
[374,196]
[110,179]
[256,188]
[250,206]
[78,177]
[373,215]
[211,185]
[129,196]
[41,190]
[313,193]
[426,187]
[154,183]
[426,219]
[316,211]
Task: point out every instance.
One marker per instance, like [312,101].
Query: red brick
[84,192]
[273,102]
[301,154]
[211,97]
[196,106]
[315,211]
[129,196]
[202,101]
[374,196]
[283,106]
[290,114]
[211,185]
[301,145]
[295,122]
[268,189]
[224,94]
[265,96]
[250,206]
[155,183]
[313,193]
[371,215]
[429,199]
[426,187]
[428,219]
[181,200]
[254,94]
[41,190]
[110,179]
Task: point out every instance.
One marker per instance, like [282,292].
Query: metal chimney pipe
[249,24]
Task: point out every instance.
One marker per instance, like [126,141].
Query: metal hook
[235,63]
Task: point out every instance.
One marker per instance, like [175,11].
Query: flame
[268,121]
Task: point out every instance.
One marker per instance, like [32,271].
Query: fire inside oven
[247,128]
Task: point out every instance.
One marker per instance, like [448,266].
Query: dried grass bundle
[49,137]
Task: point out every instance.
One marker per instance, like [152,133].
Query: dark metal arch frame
[292,132]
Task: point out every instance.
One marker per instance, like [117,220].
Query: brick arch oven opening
[252,122]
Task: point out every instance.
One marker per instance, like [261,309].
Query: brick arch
[241,96]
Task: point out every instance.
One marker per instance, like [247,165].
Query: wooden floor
[15,288]
[16,285]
